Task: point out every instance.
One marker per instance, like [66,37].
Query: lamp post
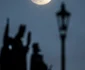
[63,18]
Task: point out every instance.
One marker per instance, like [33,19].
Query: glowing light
[41,2]
[10,47]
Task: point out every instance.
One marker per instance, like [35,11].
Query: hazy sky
[41,20]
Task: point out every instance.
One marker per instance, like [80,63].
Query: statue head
[36,48]
[21,31]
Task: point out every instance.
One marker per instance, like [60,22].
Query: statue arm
[28,41]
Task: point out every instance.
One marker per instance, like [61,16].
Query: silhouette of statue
[19,51]
[37,62]
[13,54]
[5,52]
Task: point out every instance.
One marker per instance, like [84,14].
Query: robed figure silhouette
[13,55]
[6,54]
[37,62]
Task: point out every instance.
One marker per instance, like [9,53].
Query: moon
[41,2]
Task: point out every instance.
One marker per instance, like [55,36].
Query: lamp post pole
[63,18]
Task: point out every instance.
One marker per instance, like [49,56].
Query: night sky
[41,20]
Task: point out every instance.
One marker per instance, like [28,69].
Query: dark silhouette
[6,54]
[63,17]
[37,62]
[13,54]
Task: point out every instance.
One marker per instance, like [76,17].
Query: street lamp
[63,20]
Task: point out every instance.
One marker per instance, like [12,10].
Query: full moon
[41,2]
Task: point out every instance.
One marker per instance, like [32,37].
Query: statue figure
[13,54]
